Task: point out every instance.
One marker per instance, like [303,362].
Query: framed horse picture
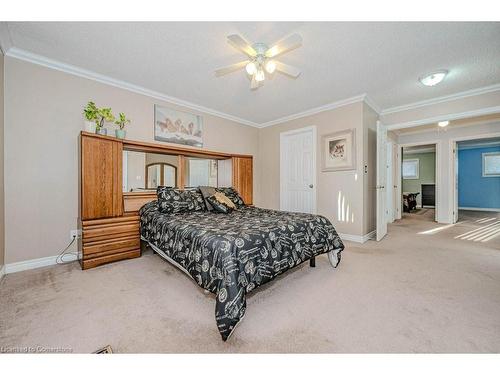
[338,151]
[178,127]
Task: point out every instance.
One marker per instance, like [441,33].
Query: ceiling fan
[261,58]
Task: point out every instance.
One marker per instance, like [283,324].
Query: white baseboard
[2,272]
[35,263]
[356,238]
[479,209]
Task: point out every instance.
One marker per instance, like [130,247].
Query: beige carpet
[412,292]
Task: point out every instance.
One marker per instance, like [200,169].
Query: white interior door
[389,187]
[298,170]
[381,180]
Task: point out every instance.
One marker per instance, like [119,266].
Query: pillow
[218,206]
[171,200]
[198,202]
[232,194]
[207,191]
[222,198]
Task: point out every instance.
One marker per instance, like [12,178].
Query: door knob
[311,186]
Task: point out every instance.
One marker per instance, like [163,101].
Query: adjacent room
[249,187]
[419,181]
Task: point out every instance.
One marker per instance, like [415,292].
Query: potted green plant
[121,122]
[104,115]
[90,112]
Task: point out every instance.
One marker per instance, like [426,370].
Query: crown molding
[84,73]
[369,101]
[447,117]
[441,99]
[5,39]
[313,111]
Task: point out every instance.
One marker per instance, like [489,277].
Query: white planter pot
[90,126]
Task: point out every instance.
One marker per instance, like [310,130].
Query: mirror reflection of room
[146,171]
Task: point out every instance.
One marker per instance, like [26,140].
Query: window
[491,164]
[410,169]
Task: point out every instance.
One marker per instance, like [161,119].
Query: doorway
[419,182]
[477,179]
[298,170]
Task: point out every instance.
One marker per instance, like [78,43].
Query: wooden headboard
[108,217]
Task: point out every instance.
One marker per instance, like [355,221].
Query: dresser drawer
[108,247]
[108,240]
[94,262]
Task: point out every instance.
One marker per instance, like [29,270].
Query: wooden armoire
[108,217]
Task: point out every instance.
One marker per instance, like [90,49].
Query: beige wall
[331,186]
[43,116]
[2,201]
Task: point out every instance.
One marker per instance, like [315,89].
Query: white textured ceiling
[337,60]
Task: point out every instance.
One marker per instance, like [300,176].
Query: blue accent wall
[474,190]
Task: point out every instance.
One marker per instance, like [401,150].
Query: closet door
[243,177]
[101,178]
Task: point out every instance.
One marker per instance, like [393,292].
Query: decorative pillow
[171,201]
[207,191]
[218,206]
[198,202]
[222,198]
[232,194]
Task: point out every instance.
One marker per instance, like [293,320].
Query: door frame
[390,186]
[453,204]
[437,175]
[284,156]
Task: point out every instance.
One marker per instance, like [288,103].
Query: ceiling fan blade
[231,68]
[287,69]
[285,45]
[239,43]
[254,84]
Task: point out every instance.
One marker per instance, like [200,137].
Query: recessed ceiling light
[434,78]
[443,123]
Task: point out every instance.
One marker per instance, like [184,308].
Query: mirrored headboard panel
[145,171]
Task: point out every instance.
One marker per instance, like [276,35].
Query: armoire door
[101,178]
[243,177]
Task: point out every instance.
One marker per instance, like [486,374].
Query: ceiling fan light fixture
[270,66]
[434,78]
[260,76]
[251,68]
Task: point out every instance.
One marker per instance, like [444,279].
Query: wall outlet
[75,233]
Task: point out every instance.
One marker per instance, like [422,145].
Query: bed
[232,254]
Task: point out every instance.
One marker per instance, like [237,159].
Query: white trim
[479,209]
[419,130]
[370,103]
[36,263]
[2,272]
[358,239]
[442,99]
[313,111]
[315,166]
[80,72]
[448,117]
[452,144]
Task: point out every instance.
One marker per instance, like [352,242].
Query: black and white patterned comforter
[232,254]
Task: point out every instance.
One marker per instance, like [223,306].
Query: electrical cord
[60,257]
